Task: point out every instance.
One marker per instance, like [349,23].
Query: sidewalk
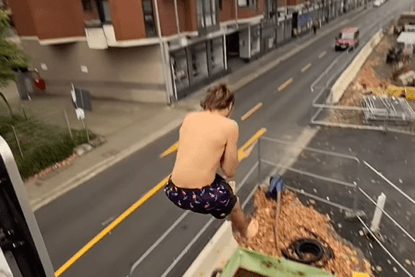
[129,127]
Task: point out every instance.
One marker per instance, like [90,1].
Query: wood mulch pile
[297,221]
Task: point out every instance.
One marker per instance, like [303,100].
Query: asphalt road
[72,220]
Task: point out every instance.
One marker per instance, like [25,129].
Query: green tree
[11,57]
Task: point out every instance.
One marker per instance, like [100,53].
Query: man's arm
[230,158]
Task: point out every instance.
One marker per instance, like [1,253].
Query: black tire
[309,246]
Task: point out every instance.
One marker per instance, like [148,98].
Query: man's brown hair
[218,98]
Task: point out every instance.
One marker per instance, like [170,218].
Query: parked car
[349,37]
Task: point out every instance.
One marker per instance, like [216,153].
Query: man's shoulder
[231,125]
[191,115]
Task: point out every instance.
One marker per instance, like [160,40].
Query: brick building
[145,50]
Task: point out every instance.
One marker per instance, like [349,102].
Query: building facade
[155,50]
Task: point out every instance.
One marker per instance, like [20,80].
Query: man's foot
[252,229]
[251,232]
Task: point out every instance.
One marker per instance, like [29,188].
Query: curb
[100,167]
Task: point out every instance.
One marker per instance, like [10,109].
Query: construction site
[382,91]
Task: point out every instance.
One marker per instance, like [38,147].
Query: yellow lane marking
[322,55]
[242,154]
[170,150]
[251,111]
[286,84]
[305,68]
[359,274]
[245,150]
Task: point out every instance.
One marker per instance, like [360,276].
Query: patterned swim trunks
[218,199]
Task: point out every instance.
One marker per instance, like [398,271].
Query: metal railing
[300,180]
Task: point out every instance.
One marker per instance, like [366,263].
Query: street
[71,221]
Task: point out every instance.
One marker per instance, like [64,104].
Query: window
[104,11]
[347,35]
[247,3]
[91,13]
[216,55]
[206,13]
[87,6]
[149,18]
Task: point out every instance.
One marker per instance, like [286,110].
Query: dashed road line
[170,150]
[285,84]
[251,111]
[305,68]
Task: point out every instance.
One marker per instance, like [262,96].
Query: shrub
[42,145]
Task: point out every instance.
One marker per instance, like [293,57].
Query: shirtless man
[208,140]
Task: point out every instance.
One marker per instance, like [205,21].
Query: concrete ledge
[215,254]
[350,73]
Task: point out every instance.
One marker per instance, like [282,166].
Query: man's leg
[242,224]
[238,219]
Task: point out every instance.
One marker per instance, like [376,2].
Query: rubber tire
[311,246]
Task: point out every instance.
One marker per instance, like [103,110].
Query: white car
[377,3]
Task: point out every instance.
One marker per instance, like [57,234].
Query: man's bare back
[208,140]
[204,137]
